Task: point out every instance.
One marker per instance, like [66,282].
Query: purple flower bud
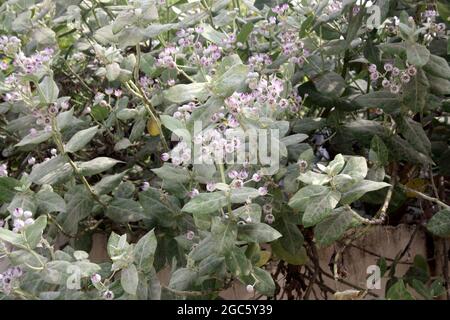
[262,191]
[269,218]
[372,68]
[412,71]
[210,186]
[256,177]
[194,192]
[190,235]
[29,221]
[27,214]
[395,88]
[18,212]
[108,295]
[388,67]
[233,174]
[96,278]
[165,157]
[145,186]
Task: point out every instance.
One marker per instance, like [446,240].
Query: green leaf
[439,86]
[182,279]
[112,71]
[176,126]
[79,206]
[378,153]
[129,279]
[232,80]
[302,198]
[439,224]
[314,178]
[36,138]
[144,252]
[237,263]
[330,83]
[319,208]
[308,125]
[206,203]
[415,92]
[333,227]
[48,90]
[264,282]
[223,234]
[51,171]
[257,232]
[169,172]
[290,246]
[50,201]
[182,93]
[414,134]
[361,188]
[356,167]
[252,211]
[108,183]
[398,291]
[33,232]
[96,166]
[80,139]
[438,67]
[404,151]
[126,114]
[385,100]
[24,200]
[160,206]
[335,166]
[241,195]
[124,210]
[417,54]
[209,33]
[7,189]
[245,32]
[211,265]
[13,238]
[148,64]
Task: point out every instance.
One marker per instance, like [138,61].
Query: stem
[222,175]
[148,106]
[60,146]
[424,196]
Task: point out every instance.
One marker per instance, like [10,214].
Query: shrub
[214,138]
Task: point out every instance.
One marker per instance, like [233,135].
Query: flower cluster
[8,278]
[392,77]
[292,47]
[9,45]
[166,58]
[258,61]
[186,37]
[184,112]
[206,57]
[32,64]
[264,92]
[21,219]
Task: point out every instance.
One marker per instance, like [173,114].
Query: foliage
[104,104]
